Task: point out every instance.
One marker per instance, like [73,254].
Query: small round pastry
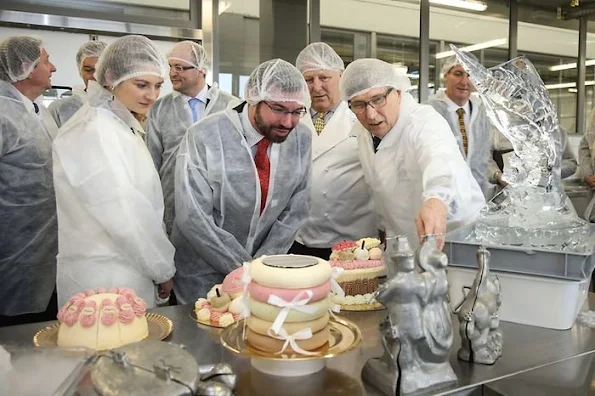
[201,303]
[232,284]
[203,314]
[261,293]
[368,243]
[375,254]
[220,302]
[236,305]
[361,254]
[260,326]
[288,271]
[226,319]
[213,292]
[269,312]
[269,344]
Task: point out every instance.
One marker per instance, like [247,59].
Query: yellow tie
[319,122]
[461,114]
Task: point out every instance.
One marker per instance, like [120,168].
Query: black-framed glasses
[179,69]
[280,111]
[377,102]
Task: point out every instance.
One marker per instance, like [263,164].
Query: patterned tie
[193,103]
[461,114]
[263,167]
[376,142]
[36,107]
[319,122]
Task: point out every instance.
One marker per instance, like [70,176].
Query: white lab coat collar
[335,131]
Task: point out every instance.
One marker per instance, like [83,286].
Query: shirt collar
[202,95]
[28,103]
[453,107]
[314,113]
[252,136]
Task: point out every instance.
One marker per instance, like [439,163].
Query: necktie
[319,122]
[376,142]
[36,107]
[263,167]
[193,103]
[461,114]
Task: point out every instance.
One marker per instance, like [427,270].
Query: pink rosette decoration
[139,306]
[215,316]
[127,292]
[114,290]
[237,316]
[109,312]
[126,312]
[76,297]
[89,293]
[101,290]
[344,245]
[88,315]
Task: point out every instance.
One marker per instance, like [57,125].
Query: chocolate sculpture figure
[417,332]
[481,338]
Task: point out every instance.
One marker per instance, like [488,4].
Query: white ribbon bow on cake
[246,279]
[336,289]
[291,340]
[296,303]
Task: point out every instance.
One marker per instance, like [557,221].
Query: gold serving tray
[344,337]
[159,328]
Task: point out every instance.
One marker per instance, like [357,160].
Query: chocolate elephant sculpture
[417,333]
[481,337]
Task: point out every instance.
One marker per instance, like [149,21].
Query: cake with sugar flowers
[103,320]
[223,303]
[362,264]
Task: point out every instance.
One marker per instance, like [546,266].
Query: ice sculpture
[417,333]
[533,209]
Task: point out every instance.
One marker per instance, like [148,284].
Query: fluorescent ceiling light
[573,90]
[468,5]
[566,66]
[474,47]
[567,85]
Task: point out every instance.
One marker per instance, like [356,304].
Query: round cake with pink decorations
[103,320]
[362,263]
[223,303]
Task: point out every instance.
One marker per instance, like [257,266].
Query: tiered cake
[288,299]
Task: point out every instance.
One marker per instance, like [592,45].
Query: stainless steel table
[525,348]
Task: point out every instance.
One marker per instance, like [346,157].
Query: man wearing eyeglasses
[341,206]
[420,182]
[170,116]
[242,181]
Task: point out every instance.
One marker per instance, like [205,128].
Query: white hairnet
[129,57]
[18,57]
[363,75]
[190,52]
[318,56]
[278,81]
[449,64]
[91,49]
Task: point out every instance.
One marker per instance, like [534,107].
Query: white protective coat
[417,160]
[110,204]
[63,109]
[218,223]
[168,121]
[341,204]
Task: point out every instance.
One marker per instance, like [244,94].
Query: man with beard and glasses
[242,181]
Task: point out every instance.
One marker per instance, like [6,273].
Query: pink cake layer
[356,264]
[261,293]
[232,284]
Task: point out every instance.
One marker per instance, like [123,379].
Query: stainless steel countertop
[525,348]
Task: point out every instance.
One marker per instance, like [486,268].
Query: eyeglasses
[179,69]
[376,102]
[280,111]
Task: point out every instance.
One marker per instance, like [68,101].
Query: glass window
[226,82]
[342,42]
[243,81]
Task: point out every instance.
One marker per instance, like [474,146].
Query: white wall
[398,18]
[62,48]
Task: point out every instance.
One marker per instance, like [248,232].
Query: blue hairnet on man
[193,99]
[86,60]
[242,181]
[28,229]
[341,205]
[420,182]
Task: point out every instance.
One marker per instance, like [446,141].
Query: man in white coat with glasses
[340,201]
